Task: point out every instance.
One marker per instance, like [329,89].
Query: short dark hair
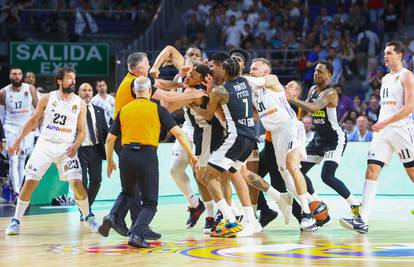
[231,67]
[241,53]
[98,81]
[192,47]
[60,73]
[203,69]
[219,56]
[15,68]
[328,65]
[399,47]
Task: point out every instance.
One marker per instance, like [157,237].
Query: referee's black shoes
[137,241]
[107,223]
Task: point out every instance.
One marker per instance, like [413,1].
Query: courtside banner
[43,58]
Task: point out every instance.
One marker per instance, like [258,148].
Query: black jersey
[238,112]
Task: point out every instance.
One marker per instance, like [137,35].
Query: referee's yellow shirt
[140,121]
[124,93]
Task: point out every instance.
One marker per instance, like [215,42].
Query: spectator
[194,27]
[375,9]
[361,133]
[345,104]
[307,122]
[368,42]
[373,109]
[212,31]
[312,60]
[232,34]
[357,104]
[188,15]
[357,19]
[390,22]
[346,53]
[348,127]
[337,65]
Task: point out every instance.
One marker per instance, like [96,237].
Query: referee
[138,124]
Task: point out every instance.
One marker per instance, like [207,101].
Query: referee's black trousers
[139,171]
[134,206]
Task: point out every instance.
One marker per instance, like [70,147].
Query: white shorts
[178,152]
[44,154]
[290,135]
[254,156]
[27,144]
[393,139]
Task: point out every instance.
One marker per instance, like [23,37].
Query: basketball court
[60,238]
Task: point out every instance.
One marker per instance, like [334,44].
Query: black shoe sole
[105,227]
[138,245]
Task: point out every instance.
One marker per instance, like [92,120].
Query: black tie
[90,125]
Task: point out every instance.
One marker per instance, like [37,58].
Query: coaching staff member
[92,152]
[139,123]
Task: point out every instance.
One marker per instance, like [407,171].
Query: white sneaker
[248,229]
[13,228]
[307,222]
[257,227]
[92,223]
[285,206]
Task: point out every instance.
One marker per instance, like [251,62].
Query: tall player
[393,132]
[19,100]
[62,133]
[329,141]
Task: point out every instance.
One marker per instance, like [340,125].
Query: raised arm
[169,52]
[329,97]
[218,95]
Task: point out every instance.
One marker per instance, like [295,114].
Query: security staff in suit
[139,123]
[92,152]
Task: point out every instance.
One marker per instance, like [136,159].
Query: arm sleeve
[116,126]
[1,132]
[166,119]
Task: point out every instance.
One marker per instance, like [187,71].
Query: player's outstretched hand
[14,148]
[194,162]
[154,72]
[378,126]
[208,83]
[110,166]
[72,150]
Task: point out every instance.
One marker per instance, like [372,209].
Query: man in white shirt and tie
[104,100]
[92,151]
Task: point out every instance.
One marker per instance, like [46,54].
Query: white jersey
[273,108]
[392,98]
[187,126]
[18,106]
[61,119]
[108,105]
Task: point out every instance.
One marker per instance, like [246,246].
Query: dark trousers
[91,162]
[268,164]
[134,206]
[139,170]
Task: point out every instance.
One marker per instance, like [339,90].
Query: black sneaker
[355,224]
[150,235]
[209,225]
[267,217]
[195,214]
[121,228]
[308,223]
[325,222]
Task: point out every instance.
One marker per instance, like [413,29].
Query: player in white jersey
[104,100]
[19,100]
[62,133]
[288,138]
[393,133]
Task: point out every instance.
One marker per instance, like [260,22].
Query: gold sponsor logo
[320,113]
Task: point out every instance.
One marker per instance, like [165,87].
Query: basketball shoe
[355,224]
[13,228]
[227,230]
[195,214]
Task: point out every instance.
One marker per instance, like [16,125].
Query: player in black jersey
[329,141]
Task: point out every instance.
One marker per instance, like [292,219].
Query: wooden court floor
[61,240]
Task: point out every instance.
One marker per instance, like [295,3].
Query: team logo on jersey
[74,108]
[397,78]
[54,104]
[26,94]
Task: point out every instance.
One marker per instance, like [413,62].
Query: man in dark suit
[92,151]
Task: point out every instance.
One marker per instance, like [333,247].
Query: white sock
[274,194]
[226,210]
[352,201]
[254,208]
[249,214]
[20,209]
[370,190]
[303,199]
[194,201]
[210,208]
[83,205]
[234,209]
[314,197]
